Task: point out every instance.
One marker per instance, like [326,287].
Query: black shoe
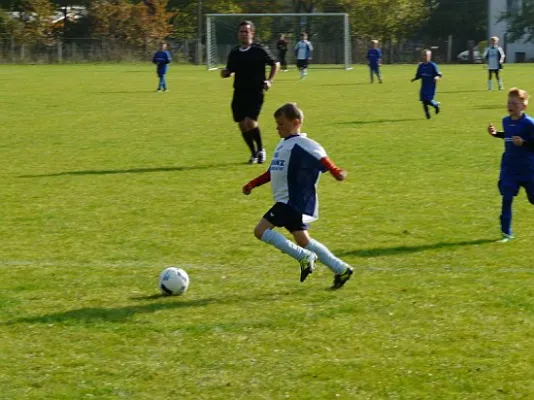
[340,279]
[427,115]
[307,265]
[437,108]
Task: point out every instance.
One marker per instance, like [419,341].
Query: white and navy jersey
[303,50]
[494,55]
[295,170]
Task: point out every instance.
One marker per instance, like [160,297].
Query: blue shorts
[282,215]
[510,187]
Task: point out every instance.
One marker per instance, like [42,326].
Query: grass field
[104,182]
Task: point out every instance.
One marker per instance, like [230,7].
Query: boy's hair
[303,34]
[249,23]
[374,41]
[291,111]
[423,53]
[494,38]
[520,94]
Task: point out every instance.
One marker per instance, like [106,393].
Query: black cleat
[306,266]
[340,279]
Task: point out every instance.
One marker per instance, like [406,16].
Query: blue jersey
[427,72]
[518,161]
[295,170]
[161,59]
[373,57]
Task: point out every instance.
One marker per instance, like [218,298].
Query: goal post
[329,34]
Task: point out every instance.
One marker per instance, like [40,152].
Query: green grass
[103,183]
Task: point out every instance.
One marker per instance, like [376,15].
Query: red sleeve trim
[260,180]
[330,166]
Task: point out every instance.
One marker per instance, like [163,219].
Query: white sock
[326,257]
[284,245]
[490,84]
[500,83]
[302,73]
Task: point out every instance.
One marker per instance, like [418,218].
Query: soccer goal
[329,34]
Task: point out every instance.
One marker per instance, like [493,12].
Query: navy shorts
[510,187]
[302,64]
[247,105]
[282,215]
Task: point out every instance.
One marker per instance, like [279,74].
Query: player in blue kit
[162,58]
[303,52]
[374,59]
[428,72]
[294,173]
[517,163]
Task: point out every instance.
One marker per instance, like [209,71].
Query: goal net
[328,32]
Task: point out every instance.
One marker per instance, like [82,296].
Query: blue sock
[284,245]
[433,103]
[326,257]
[506,214]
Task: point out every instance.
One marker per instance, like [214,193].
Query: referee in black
[247,62]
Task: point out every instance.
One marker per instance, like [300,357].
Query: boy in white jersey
[294,172]
[303,50]
[494,57]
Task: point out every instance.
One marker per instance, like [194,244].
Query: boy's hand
[412,80]
[225,73]
[518,140]
[247,189]
[491,129]
[437,78]
[341,175]
[267,84]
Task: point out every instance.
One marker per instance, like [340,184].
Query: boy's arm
[417,74]
[493,132]
[260,180]
[338,173]
[169,59]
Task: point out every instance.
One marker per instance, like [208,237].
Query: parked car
[463,57]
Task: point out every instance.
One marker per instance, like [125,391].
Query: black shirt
[248,66]
[282,45]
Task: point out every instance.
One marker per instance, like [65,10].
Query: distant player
[494,57]
[294,173]
[428,72]
[162,58]
[281,46]
[247,62]
[517,163]
[303,53]
[374,59]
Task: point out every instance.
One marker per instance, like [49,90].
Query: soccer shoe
[427,115]
[340,279]
[306,266]
[253,160]
[437,108]
[506,237]
[261,156]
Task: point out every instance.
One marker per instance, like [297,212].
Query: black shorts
[247,104]
[282,215]
[302,64]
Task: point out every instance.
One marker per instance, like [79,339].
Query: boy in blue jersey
[517,163]
[374,59]
[303,51]
[429,73]
[162,59]
[294,173]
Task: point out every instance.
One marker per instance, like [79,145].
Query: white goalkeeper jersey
[295,170]
[303,50]
[494,55]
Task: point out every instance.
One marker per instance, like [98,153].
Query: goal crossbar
[216,51]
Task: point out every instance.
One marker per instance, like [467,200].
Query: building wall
[513,50]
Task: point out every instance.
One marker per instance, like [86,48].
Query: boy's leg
[490,83]
[506,215]
[336,265]
[499,80]
[425,107]
[164,83]
[435,104]
[371,74]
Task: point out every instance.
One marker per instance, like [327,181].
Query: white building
[517,51]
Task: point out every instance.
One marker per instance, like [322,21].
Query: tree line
[146,22]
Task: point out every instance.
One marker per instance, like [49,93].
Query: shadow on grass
[498,106]
[390,251]
[132,170]
[345,84]
[377,121]
[460,91]
[123,314]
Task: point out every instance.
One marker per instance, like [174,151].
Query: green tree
[520,24]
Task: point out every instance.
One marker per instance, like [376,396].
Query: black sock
[427,113]
[249,140]
[256,135]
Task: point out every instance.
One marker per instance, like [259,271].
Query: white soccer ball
[173,281]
